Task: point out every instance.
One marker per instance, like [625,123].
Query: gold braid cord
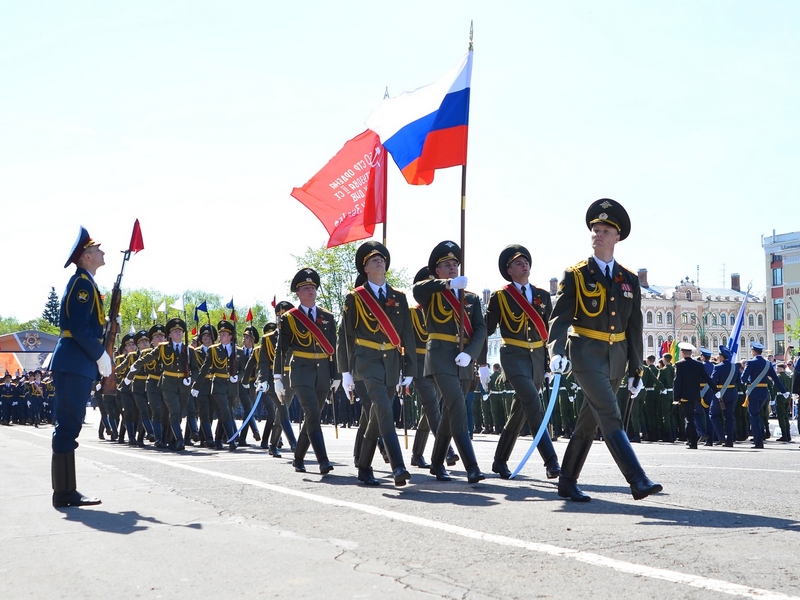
[512,322]
[219,365]
[419,327]
[437,303]
[363,315]
[167,362]
[582,292]
[304,339]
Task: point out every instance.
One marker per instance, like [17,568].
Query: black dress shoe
[570,489]
[417,460]
[474,475]
[232,446]
[299,466]
[257,436]
[243,444]
[501,469]
[325,468]
[195,436]
[643,487]
[452,458]
[440,472]
[74,498]
[553,471]
[366,477]
[401,476]
[274,452]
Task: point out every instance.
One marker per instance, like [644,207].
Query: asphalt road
[204,523]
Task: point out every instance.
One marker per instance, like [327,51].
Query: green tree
[51,308]
[337,273]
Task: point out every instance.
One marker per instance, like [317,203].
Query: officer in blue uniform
[726,377]
[702,420]
[6,398]
[755,377]
[690,378]
[78,360]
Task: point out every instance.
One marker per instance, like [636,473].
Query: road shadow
[124,523]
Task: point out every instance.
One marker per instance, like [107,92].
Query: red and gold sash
[312,327]
[380,314]
[454,303]
[528,309]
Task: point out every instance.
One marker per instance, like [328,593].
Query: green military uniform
[665,415]
[496,405]
[148,366]
[783,407]
[650,409]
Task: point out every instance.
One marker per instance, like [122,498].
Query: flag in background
[202,307]
[178,304]
[132,330]
[137,243]
[162,307]
[426,129]
[733,343]
[139,314]
[249,316]
[153,315]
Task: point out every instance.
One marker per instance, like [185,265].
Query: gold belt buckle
[610,339]
[382,346]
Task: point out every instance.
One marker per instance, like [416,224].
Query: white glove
[484,373]
[571,398]
[786,394]
[98,386]
[458,283]
[234,379]
[663,392]
[279,387]
[718,395]
[335,383]
[634,389]
[119,321]
[263,386]
[187,381]
[407,381]
[348,384]
[463,359]
[29,403]
[195,393]
[559,364]
[246,386]
[104,365]
[401,383]
[126,381]
[548,377]
[132,370]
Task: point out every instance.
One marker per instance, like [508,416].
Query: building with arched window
[782,271]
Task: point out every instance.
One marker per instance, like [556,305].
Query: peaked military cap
[369,249]
[83,242]
[282,306]
[610,212]
[756,346]
[225,326]
[725,352]
[128,337]
[686,347]
[251,331]
[443,251]
[157,328]
[269,327]
[705,352]
[423,274]
[209,329]
[509,254]
[304,277]
[140,335]
[176,323]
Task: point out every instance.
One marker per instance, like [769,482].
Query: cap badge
[606,204]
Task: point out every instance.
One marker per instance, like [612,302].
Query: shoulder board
[577,266]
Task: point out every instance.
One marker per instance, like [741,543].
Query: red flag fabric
[249,315]
[348,195]
[136,238]
[194,330]
[224,317]
[234,318]
[274,300]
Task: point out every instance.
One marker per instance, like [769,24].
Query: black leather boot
[441,444]
[177,444]
[62,471]
[364,462]
[318,444]
[625,457]
[300,452]
[504,447]
[418,450]
[358,445]
[399,472]
[467,452]
[574,457]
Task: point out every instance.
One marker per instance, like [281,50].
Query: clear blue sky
[198,118]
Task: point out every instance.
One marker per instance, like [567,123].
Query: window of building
[713,320]
[660,340]
[715,341]
[722,319]
[780,345]
[761,340]
[649,317]
[777,276]
[669,318]
[694,319]
[760,320]
[724,340]
[649,341]
[684,318]
[688,294]
[750,322]
[659,318]
[670,339]
[742,342]
[777,309]
[694,340]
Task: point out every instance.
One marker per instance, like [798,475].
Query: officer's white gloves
[548,377]
[458,283]
[234,379]
[718,395]
[194,393]
[98,386]
[559,364]
[246,386]
[463,359]
[279,389]
[104,365]
[484,373]
[348,384]
[126,381]
[402,383]
[263,386]
[634,388]
[786,394]
[187,381]
[335,384]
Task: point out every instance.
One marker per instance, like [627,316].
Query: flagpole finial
[386,93]
[470,36]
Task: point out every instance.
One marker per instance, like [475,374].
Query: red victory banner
[348,195]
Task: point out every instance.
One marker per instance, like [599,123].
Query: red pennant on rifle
[136,238]
[224,318]
[249,315]
[194,330]
[234,318]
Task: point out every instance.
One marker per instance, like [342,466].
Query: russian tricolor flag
[426,129]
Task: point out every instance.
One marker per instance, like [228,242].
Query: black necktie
[177,348]
[381,295]
[524,291]
[608,273]
[311,314]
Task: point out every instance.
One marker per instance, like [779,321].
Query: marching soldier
[208,336]
[151,368]
[125,390]
[246,384]
[783,404]
[282,421]
[259,370]
[690,376]
[6,398]
[597,324]
[139,390]
[522,312]
[652,388]
[450,366]
[726,377]
[307,343]
[755,377]
[375,346]
[77,361]
[666,418]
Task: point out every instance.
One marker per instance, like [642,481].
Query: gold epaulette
[579,265]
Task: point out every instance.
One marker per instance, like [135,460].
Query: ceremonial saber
[547,414]
[247,420]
